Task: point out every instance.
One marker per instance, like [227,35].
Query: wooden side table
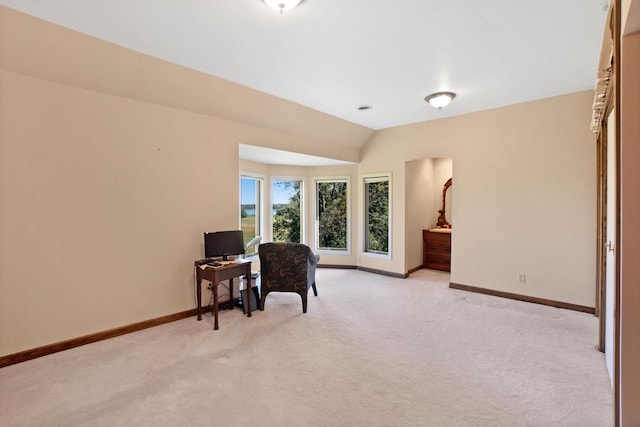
[215,275]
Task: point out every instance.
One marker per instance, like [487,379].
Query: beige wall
[524,194]
[630,16]
[629,244]
[105,199]
[419,190]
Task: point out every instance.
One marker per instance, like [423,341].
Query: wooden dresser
[436,250]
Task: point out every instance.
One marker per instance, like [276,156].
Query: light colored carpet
[371,351]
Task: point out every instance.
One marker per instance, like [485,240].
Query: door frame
[612,103]
[602,168]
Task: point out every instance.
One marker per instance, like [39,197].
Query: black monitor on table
[223,244]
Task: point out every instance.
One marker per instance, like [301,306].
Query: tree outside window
[331,215]
[376,192]
[287,210]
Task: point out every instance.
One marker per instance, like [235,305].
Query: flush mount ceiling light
[282,5]
[440,99]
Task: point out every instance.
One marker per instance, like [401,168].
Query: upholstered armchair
[287,267]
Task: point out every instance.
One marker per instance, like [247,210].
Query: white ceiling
[333,55]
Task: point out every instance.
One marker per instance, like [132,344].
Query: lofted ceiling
[333,55]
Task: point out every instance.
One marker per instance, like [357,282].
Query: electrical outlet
[522,278]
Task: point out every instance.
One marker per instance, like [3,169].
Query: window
[251,209]
[332,215]
[377,202]
[287,210]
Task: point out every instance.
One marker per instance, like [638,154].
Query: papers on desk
[220,264]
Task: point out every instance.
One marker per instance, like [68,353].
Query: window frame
[303,209]
[371,178]
[260,221]
[316,214]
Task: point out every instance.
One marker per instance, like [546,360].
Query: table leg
[199,293]
[215,305]
[249,291]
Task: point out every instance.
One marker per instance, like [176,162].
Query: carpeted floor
[371,351]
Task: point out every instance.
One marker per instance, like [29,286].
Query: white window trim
[262,223]
[303,214]
[370,177]
[315,215]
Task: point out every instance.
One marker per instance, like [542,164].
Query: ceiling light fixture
[282,5]
[440,99]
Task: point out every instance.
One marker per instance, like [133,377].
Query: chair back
[285,266]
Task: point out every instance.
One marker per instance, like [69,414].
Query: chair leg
[315,291]
[262,298]
[304,302]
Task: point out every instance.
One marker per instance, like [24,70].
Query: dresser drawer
[437,259]
[438,247]
[436,250]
